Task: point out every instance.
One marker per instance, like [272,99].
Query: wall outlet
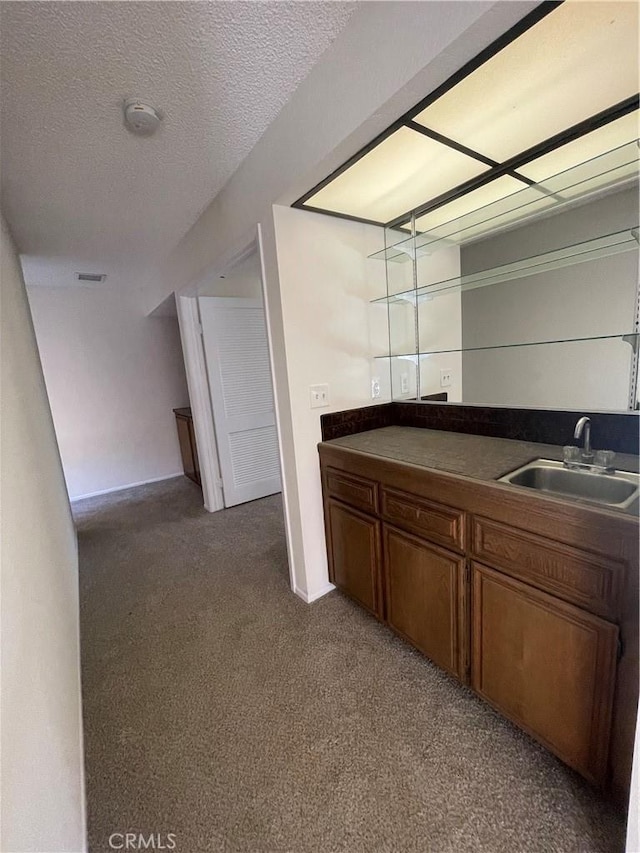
[319,396]
[446,378]
[375,387]
[404,383]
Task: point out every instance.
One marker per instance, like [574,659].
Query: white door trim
[189,322]
[280,407]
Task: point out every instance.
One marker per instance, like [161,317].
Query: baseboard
[127,486]
[310,597]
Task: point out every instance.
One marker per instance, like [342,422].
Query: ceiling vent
[91,277]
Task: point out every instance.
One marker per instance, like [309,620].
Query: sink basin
[618,490]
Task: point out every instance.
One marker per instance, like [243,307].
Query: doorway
[236,352]
[229,373]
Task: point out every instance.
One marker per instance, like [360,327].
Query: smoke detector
[140,118]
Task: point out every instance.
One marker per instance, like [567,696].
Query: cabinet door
[424,597]
[547,665]
[354,555]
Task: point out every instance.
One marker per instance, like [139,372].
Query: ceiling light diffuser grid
[574,63]
[401,172]
[556,90]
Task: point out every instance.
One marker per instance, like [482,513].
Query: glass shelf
[600,247]
[612,169]
[629,337]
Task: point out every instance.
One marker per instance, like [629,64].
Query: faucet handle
[571,454]
[604,459]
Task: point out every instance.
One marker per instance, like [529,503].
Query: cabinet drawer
[585,579]
[441,524]
[352,489]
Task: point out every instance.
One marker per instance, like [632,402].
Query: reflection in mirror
[556,335]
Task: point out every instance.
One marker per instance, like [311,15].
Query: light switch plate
[319,396]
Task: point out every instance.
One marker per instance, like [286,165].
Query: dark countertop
[477,456]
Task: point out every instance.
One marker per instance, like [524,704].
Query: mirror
[541,315]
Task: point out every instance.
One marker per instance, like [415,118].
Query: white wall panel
[113,377]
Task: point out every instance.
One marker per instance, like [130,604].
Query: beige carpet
[221,708]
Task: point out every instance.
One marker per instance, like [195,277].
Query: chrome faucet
[584,426]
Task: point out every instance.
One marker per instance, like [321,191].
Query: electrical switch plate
[375,387]
[446,378]
[319,396]
[404,383]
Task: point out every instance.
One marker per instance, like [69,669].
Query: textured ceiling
[76,186]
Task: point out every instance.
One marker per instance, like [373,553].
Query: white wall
[242,280]
[592,298]
[42,762]
[113,377]
[313,134]
[326,283]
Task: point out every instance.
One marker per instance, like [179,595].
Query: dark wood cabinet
[354,555]
[187,440]
[589,580]
[355,491]
[438,523]
[532,602]
[547,665]
[425,597]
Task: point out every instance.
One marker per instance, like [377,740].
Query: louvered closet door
[237,355]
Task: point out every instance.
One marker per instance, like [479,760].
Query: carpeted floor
[221,708]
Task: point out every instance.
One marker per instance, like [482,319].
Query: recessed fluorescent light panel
[400,172]
[558,90]
[580,59]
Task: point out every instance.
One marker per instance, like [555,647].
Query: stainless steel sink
[618,490]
